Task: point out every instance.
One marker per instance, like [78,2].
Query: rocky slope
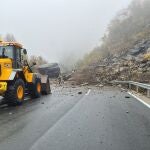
[133,64]
[124,52]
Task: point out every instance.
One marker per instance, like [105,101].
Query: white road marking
[139,100]
[88,92]
[123,89]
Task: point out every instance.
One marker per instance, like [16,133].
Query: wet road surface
[97,119]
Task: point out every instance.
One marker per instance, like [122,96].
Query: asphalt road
[97,119]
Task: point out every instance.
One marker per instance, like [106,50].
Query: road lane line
[88,92]
[42,137]
[139,99]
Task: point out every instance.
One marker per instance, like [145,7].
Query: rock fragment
[80,92]
[127,96]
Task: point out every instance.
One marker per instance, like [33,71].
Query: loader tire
[46,89]
[15,93]
[35,89]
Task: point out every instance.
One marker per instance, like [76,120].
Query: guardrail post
[129,86]
[137,89]
[148,93]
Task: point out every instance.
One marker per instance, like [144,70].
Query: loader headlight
[7,65]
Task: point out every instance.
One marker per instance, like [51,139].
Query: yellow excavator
[16,76]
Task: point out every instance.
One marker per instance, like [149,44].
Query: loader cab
[12,51]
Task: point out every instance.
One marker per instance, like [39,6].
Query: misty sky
[57,29]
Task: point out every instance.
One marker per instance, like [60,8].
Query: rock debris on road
[101,119]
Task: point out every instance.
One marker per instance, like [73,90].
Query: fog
[58,30]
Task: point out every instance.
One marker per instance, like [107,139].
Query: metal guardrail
[137,84]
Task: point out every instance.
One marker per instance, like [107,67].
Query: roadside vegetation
[130,26]
[124,51]
[39,60]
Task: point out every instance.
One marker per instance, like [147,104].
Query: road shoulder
[143,99]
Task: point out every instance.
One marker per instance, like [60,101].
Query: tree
[130,26]
[9,38]
[39,60]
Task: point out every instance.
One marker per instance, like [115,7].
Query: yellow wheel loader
[17,77]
